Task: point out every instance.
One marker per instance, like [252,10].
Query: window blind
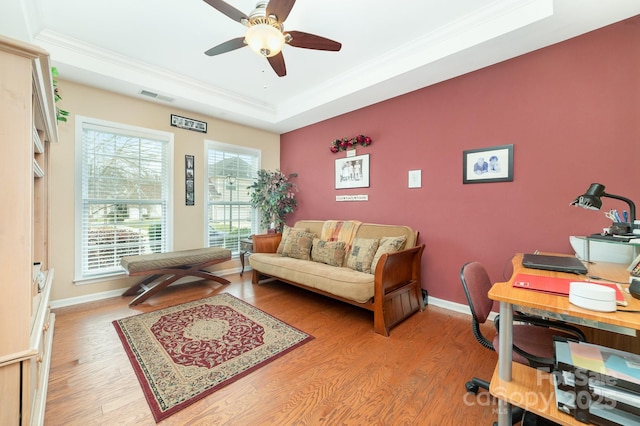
[125,196]
[230,217]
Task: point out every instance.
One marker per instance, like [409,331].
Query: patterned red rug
[183,353]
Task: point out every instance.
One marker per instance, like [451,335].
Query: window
[123,195]
[230,217]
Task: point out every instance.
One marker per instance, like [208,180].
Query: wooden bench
[163,269]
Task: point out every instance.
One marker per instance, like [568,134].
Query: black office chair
[532,336]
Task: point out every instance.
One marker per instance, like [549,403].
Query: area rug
[183,353]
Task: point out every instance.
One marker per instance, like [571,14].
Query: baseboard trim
[453,306]
[441,303]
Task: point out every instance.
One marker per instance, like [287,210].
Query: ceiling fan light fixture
[264,39]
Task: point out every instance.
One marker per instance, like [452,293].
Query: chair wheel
[471,387]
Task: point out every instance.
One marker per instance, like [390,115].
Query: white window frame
[81,122]
[241,186]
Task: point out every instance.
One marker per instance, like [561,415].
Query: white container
[592,296]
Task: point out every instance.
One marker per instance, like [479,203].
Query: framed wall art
[188,123]
[189,180]
[352,172]
[494,164]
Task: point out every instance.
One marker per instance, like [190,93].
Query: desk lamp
[591,200]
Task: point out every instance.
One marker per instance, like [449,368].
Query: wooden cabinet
[27,127]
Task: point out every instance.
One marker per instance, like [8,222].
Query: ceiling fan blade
[227,9]
[280,8]
[277,63]
[311,41]
[227,46]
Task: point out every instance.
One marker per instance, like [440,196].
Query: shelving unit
[27,127]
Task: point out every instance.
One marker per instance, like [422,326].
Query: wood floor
[347,375]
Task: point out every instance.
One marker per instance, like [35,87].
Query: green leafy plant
[61,115]
[273,194]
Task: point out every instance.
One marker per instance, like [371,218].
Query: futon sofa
[376,267]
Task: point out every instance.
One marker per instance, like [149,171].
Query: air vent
[156,96]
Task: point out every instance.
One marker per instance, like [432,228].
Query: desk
[524,386]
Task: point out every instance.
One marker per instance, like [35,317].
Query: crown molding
[73,52]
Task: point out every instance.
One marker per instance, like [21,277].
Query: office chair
[532,336]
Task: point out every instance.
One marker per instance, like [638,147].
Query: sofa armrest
[266,243]
[398,288]
[398,269]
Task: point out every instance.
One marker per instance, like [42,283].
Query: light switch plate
[415,178]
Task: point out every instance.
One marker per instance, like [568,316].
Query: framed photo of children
[494,164]
[352,172]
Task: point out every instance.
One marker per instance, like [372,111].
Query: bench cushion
[154,261]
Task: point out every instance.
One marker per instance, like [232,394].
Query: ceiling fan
[265,34]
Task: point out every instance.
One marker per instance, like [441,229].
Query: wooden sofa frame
[397,283]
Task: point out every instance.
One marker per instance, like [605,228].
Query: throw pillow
[387,245]
[361,255]
[285,234]
[298,244]
[329,252]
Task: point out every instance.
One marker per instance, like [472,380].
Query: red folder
[559,286]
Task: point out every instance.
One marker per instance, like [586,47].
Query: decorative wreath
[348,143]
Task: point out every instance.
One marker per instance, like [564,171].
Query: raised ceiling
[389,48]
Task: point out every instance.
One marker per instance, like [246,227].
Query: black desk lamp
[591,200]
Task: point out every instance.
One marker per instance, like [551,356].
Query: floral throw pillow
[329,252]
[298,244]
[361,255]
[387,245]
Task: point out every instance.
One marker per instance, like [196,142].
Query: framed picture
[188,123]
[493,164]
[352,172]
[188,178]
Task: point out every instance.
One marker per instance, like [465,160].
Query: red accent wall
[572,112]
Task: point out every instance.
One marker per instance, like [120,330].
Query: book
[634,268]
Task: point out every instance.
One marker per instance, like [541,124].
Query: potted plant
[273,194]
[61,115]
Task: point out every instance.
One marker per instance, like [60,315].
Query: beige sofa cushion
[340,281]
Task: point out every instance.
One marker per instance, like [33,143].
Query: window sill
[100,278]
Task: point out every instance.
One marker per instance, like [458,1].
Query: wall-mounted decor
[358,197]
[494,164]
[188,123]
[345,144]
[188,179]
[352,172]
